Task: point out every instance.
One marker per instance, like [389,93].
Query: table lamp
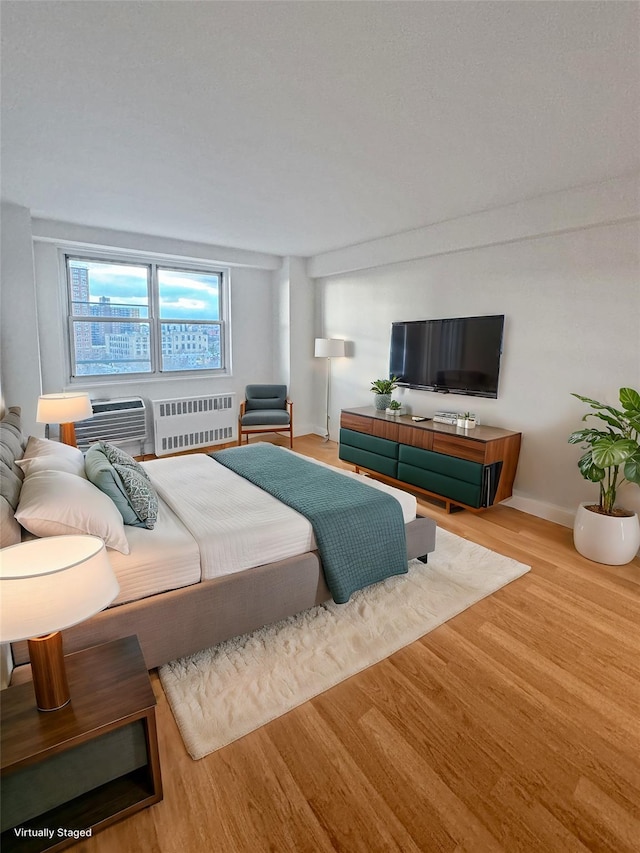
[329,348]
[64,408]
[47,585]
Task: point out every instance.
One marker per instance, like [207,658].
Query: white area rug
[220,694]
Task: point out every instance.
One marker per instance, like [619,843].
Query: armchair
[266,408]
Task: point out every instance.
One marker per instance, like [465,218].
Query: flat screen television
[458,355]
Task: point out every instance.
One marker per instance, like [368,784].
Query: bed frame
[177,623]
[172,624]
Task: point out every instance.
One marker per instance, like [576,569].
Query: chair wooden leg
[290,406]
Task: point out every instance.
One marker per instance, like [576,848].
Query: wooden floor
[513,727]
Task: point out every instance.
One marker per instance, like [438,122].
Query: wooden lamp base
[68,434]
[49,673]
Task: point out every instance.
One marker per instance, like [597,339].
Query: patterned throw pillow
[116,455]
[140,493]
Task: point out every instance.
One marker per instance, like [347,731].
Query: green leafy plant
[611,449]
[384,386]
[395,405]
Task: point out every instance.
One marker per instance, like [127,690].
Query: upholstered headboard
[12,445]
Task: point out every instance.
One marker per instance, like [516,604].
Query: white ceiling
[299,127]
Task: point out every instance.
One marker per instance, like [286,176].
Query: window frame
[153,318]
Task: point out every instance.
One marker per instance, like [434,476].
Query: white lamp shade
[50,584]
[329,348]
[63,408]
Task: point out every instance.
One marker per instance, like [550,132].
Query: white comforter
[211,523]
[237,525]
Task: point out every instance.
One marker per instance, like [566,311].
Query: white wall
[567,278]
[34,341]
[301,345]
[272,308]
[251,298]
[19,349]
[341,370]
[572,306]
[293,317]
[281,313]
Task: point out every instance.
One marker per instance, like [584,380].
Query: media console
[471,468]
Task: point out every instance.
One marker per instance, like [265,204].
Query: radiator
[115,421]
[187,423]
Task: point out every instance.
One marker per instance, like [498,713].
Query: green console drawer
[371,443]
[373,461]
[369,451]
[440,463]
[456,490]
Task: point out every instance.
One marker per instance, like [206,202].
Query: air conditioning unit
[116,421]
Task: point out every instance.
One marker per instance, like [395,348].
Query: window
[133,318]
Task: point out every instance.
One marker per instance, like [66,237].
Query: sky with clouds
[183,295]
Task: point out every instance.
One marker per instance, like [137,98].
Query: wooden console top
[478,433]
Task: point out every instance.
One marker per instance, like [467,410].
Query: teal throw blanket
[359,530]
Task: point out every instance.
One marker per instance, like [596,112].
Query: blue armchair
[266,408]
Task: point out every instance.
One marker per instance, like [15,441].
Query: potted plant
[605,532]
[394,408]
[466,420]
[383,388]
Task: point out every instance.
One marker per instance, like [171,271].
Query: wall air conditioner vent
[116,421]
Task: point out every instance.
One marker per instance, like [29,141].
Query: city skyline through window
[130,318]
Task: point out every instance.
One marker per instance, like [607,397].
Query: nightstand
[69,773]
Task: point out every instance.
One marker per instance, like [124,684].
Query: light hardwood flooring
[513,727]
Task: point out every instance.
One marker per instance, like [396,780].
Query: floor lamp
[329,348]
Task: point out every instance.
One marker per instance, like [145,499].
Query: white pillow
[52,463]
[41,454]
[54,503]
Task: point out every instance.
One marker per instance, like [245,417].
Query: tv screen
[457,356]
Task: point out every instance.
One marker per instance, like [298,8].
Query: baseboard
[300,429]
[321,431]
[541,509]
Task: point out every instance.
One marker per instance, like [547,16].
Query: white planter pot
[466,423]
[604,538]
[393,411]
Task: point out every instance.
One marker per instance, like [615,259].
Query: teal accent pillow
[123,483]
[103,475]
[142,496]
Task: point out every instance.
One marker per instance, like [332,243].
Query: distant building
[104,308]
[80,298]
[184,338]
[126,347]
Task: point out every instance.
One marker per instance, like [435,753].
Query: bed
[223,557]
